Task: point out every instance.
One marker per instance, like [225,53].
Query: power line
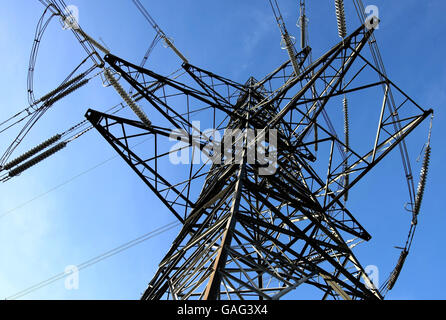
[97,259]
[68,181]
[83,172]
[57,187]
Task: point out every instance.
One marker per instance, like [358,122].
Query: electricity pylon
[247,234]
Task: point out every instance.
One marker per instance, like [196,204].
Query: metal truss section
[246,234]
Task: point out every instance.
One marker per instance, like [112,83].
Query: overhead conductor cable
[286,38]
[418,198]
[93,41]
[159,31]
[126,97]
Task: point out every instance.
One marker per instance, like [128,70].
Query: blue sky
[109,205]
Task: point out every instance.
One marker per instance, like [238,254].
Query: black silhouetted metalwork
[248,235]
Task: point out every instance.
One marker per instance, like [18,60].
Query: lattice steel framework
[251,236]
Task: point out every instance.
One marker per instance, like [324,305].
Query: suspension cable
[158,30]
[110,253]
[286,38]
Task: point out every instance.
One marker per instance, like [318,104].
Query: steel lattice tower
[247,235]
